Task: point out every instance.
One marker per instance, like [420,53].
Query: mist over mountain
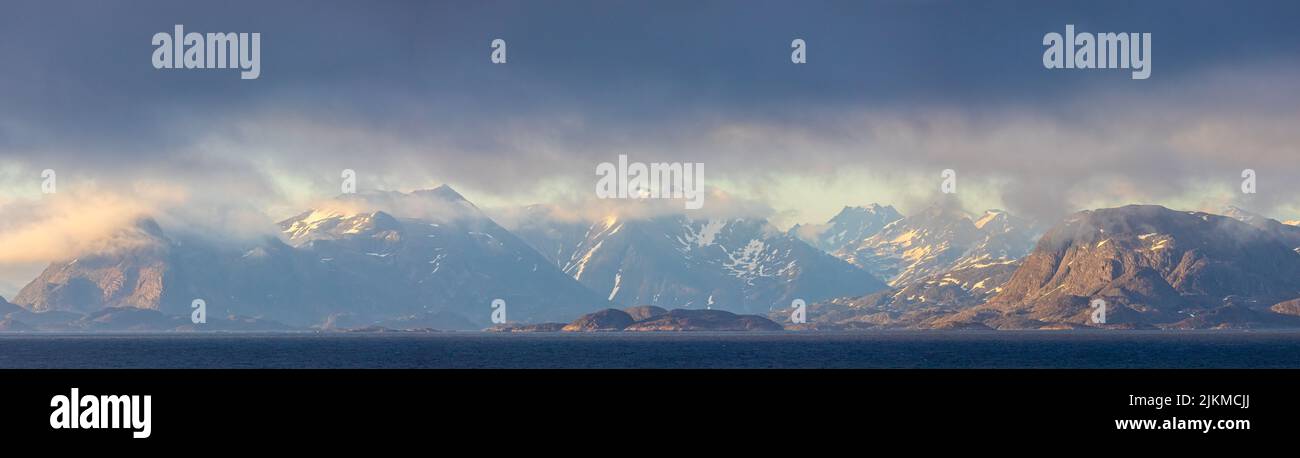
[9,289]
[555,237]
[1287,232]
[852,224]
[1152,265]
[457,260]
[146,269]
[430,259]
[342,265]
[1154,268]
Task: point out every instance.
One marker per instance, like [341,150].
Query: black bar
[473,408]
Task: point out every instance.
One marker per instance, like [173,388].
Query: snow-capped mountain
[1153,266]
[435,253]
[852,224]
[142,267]
[1002,239]
[743,265]
[922,304]
[990,248]
[939,239]
[424,259]
[958,287]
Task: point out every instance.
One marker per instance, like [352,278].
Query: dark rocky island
[650,318]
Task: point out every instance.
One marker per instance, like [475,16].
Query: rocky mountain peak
[1152,260]
[849,225]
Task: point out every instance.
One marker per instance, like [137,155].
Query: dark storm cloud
[405,93]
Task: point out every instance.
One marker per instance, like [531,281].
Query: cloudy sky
[405,94]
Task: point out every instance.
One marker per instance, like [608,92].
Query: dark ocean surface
[903,349]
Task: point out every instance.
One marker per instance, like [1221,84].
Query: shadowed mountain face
[6,307]
[1288,233]
[555,237]
[459,263]
[742,265]
[352,263]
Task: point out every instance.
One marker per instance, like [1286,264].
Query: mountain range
[346,265]
[1153,267]
[432,259]
[737,264]
[435,254]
